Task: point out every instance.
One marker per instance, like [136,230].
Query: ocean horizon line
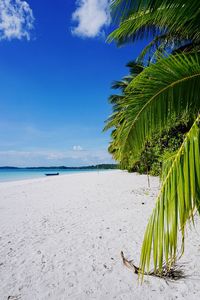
[109,166]
[20,173]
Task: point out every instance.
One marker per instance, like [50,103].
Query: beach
[61,238]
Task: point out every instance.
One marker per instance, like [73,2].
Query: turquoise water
[21,174]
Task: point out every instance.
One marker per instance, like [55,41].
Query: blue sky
[55,75]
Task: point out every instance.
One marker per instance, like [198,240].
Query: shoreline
[61,174]
[61,238]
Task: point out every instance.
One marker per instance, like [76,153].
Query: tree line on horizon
[98,167]
[156,116]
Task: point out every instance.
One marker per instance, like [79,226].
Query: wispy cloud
[77,148]
[16,19]
[91,16]
[54,157]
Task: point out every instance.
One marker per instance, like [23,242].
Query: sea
[21,174]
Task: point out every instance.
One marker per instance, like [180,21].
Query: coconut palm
[117,101]
[166,89]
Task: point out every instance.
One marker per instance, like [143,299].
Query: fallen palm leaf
[174,273]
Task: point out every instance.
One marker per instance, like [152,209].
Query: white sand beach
[61,237]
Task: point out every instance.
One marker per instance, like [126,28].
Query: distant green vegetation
[155,121]
[96,167]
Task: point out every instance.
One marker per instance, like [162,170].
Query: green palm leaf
[137,18]
[146,24]
[176,203]
[162,91]
[117,101]
[171,24]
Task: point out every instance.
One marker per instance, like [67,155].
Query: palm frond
[121,9]
[117,100]
[120,84]
[113,99]
[135,68]
[151,47]
[162,91]
[175,205]
[136,27]
[167,160]
[161,45]
[152,18]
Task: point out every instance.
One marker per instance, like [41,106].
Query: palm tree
[117,100]
[168,88]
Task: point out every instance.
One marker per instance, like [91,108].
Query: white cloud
[91,16]
[16,19]
[54,157]
[77,148]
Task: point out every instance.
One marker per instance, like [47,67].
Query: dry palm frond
[174,273]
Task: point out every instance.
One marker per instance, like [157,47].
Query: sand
[61,237]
